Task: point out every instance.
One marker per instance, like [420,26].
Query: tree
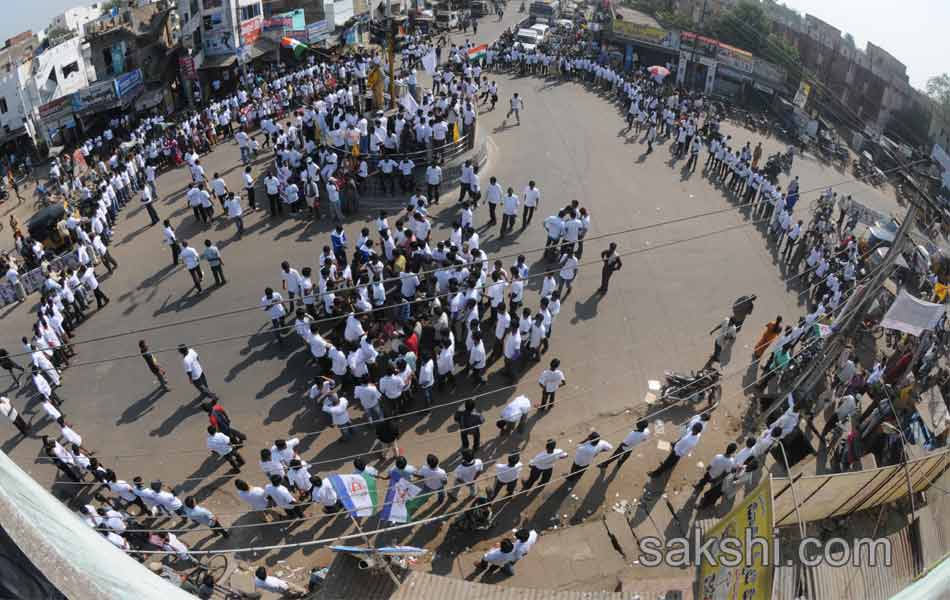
[849,40]
[745,26]
[938,88]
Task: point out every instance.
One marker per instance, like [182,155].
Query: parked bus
[545,11]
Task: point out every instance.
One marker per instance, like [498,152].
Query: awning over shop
[218,62]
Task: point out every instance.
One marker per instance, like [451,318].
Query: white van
[542,31]
[528,38]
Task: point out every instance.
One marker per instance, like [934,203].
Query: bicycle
[204,581]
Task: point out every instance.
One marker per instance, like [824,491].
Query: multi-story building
[214,34]
[75,19]
[48,82]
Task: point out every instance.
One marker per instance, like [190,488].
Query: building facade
[75,19]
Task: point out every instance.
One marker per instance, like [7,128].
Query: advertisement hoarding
[318,31]
[188,70]
[217,34]
[750,519]
[129,84]
[250,30]
[57,108]
[99,94]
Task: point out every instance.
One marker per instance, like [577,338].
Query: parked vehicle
[545,11]
[479,8]
[447,19]
[691,387]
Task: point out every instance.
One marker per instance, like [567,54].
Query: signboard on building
[276,23]
[188,70]
[317,32]
[217,34]
[641,33]
[745,527]
[298,19]
[736,58]
[801,97]
[250,30]
[57,108]
[129,84]
[701,45]
[297,34]
[97,95]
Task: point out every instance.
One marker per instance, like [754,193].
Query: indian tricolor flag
[357,493]
[297,47]
[402,500]
[478,52]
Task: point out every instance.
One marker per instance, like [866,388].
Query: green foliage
[938,88]
[675,20]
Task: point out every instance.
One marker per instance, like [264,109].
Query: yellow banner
[751,578]
[636,31]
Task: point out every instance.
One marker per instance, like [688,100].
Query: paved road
[656,316]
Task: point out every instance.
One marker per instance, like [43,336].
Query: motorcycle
[693,387]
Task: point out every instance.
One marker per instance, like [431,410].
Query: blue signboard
[128,83]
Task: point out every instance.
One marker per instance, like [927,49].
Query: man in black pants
[612,263]
[469,420]
[542,465]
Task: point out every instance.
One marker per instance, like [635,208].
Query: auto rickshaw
[45,227]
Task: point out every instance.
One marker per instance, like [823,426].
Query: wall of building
[75,18]
[12,112]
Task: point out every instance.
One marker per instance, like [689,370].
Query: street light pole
[392,60]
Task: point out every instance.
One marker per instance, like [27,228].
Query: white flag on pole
[428,62]
[409,103]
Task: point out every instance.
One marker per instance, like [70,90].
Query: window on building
[249,12]
[69,69]
[107,59]
[194,7]
[3,105]
[196,39]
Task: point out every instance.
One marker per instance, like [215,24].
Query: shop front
[697,62]
[643,45]
[58,122]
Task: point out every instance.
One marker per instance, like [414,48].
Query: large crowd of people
[392,319]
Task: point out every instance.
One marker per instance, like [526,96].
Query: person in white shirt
[568,271]
[433,478]
[532,200]
[275,585]
[550,381]
[542,465]
[501,557]
[368,395]
[633,439]
[283,498]
[718,468]
[255,496]
[466,473]
[322,493]
[203,516]
[273,304]
[195,372]
[8,411]
[232,204]
[682,447]
[525,539]
[192,261]
[336,407]
[514,415]
[509,211]
[506,475]
[87,276]
[585,453]
[434,182]
[220,444]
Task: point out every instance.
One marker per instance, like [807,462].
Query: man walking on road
[612,263]
[195,373]
[517,103]
[192,262]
